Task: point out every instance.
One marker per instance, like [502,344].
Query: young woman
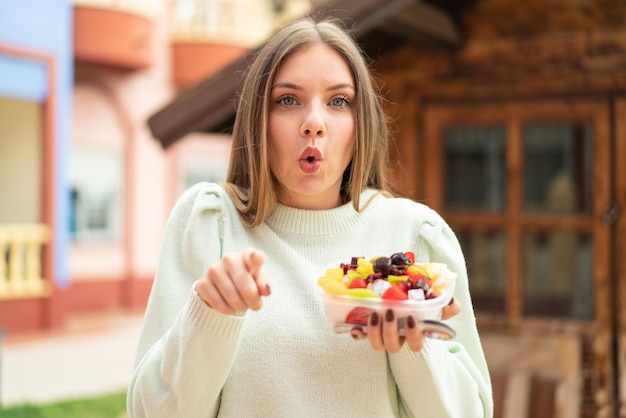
[235,324]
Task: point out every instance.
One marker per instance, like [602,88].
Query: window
[475,168]
[515,183]
[96,195]
[558,161]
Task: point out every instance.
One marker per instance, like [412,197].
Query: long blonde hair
[249,180]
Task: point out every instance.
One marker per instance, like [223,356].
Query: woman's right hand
[236,283]
[382,331]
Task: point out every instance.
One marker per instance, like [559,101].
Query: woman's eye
[287,101]
[339,101]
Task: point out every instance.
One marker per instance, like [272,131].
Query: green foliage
[107,406]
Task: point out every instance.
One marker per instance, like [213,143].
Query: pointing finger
[254,260]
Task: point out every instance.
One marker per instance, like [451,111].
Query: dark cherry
[382,265]
[400,259]
[354,263]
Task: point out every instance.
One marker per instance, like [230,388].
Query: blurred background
[509,119]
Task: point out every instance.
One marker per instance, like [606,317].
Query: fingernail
[410,322]
[374,319]
[451,301]
[389,315]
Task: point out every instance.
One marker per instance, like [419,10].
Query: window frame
[513,115]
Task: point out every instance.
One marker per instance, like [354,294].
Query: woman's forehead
[316,61]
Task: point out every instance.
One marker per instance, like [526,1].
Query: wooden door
[525,186]
[616,216]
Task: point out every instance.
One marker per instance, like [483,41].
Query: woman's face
[311,127]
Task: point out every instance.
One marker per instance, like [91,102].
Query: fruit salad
[392,278]
[354,290]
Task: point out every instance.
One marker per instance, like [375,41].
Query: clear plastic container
[342,309]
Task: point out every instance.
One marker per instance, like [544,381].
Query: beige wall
[96,129]
[21,159]
[111,109]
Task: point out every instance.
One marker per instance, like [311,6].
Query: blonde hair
[249,180]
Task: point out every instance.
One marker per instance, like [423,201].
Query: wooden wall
[512,50]
[520,51]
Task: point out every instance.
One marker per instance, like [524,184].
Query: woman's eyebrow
[341,86]
[284,84]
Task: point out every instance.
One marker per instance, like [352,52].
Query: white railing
[240,22]
[141,7]
[20,260]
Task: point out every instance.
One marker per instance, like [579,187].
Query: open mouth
[310,160]
[311,154]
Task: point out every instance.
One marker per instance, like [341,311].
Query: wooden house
[510,120]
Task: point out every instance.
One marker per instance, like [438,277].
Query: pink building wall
[111,107]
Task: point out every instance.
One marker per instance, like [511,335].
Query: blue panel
[33,23]
[45,27]
[23,79]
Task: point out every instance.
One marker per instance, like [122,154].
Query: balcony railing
[21,248]
[142,7]
[239,22]
[114,33]
[207,35]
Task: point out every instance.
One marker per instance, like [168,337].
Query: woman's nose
[313,124]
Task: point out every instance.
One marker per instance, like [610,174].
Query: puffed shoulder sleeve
[439,243]
[204,231]
[191,242]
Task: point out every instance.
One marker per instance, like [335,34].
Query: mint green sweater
[284,360]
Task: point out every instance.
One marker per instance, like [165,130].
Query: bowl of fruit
[353,291]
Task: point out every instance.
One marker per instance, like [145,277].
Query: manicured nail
[389,315]
[374,319]
[410,322]
[451,301]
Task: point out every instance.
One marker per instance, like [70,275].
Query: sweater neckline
[322,222]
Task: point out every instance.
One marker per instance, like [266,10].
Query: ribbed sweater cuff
[208,319]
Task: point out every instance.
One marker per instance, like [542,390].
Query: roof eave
[210,106]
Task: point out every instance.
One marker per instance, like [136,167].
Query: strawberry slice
[416,278]
[359,315]
[411,256]
[395,292]
[357,283]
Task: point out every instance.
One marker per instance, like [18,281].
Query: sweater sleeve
[186,348]
[453,374]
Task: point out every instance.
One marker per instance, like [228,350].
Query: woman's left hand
[382,330]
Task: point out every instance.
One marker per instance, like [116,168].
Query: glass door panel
[557,167]
[475,181]
[475,160]
[485,255]
[557,274]
[558,164]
